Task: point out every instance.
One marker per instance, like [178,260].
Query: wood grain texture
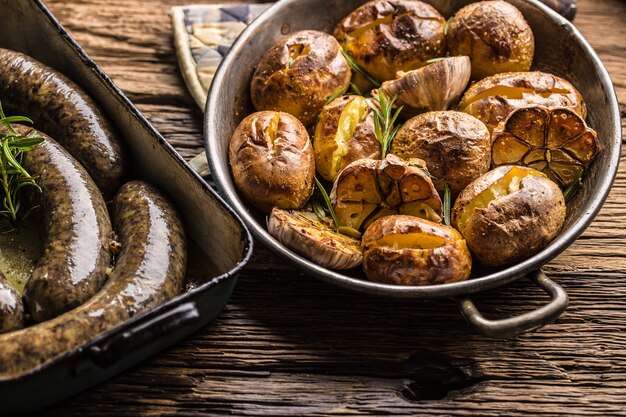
[290,345]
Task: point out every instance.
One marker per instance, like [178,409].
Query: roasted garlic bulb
[556,142]
[368,189]
[314,239]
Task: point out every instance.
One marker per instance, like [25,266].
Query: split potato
[509,214]
[343,134]
[494,98]
[431,88]
[455,146]
[407,250]
[272,161]
[369,189]
[387,36]
[554,141]
[304,233]
[495,35]
[299,74]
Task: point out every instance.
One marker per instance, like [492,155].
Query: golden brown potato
[494,98]
[407,250]
[430,88]
[455,146]
[386,36]
[299,74]
[272,161]
[304,233]
[494,35]
[344,133]
[509,214]
[368,189]
[554,141]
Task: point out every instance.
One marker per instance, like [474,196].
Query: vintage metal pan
[560,49]
[219,243]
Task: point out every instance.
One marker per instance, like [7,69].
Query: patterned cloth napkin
[202,36]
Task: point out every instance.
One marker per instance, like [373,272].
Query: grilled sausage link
[61,109]
[11,308]
[149,270]
[76,232]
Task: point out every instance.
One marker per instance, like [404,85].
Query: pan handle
[514,326]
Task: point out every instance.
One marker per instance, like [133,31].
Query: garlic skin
[431,88]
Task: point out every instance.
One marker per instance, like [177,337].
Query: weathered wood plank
[288,344]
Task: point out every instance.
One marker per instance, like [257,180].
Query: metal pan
[220,245]
[560,49]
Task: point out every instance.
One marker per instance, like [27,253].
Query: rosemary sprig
[329,205]
[446,26]
[385,121]
[357,68]
[447,205]
[13,176]
[355,89]
[432,61]
[571,191]
[333,96]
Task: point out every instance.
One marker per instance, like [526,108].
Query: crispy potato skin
[409,34]
[272,161]
[314,240]
[409,266]
[299,73]
[494,35]
[455,146]
[536,86]
[515,226]
[362,144]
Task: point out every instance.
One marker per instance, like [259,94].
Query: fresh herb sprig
[13,177]
[385,119]
[320,212]
[447,205]
[354,66]
[571,191]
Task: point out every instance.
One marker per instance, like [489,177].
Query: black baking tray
[219,243]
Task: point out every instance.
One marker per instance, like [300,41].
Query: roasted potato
[509,214]
[368,189]
[299,74]
[387,36]
[304,233]
[431,88]
[455,146]
[554,141]
[272,161]
[407,250]
[494,98]
[344,133]
[494,35]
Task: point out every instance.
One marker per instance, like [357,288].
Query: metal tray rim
[181,298]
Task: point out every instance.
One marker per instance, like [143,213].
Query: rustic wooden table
[287,344]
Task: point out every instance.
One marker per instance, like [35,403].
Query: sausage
[11,307]
[61,109]
[150,270]
[75,228]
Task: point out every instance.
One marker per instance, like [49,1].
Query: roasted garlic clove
[369,189]
[304,233]
[555,141]
[430,88]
